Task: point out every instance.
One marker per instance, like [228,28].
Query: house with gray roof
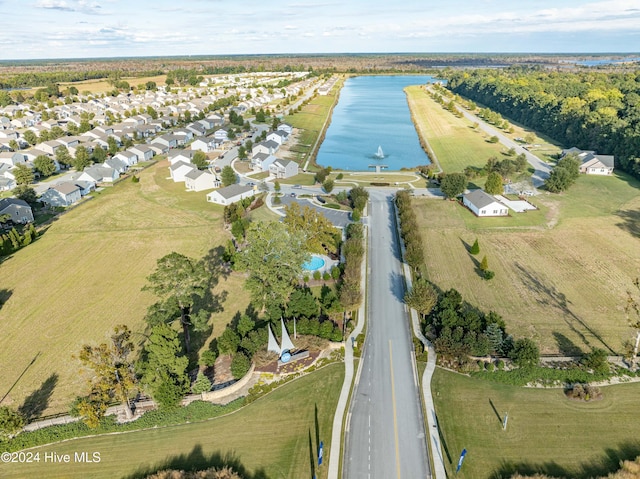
[283,168]
[63,194]
[200,180]
[482,203]
[230,194]
[19,210]
[591,163]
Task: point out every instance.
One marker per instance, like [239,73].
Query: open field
[561,273]
[271,437]
[103,86]
[310,120]
[453,140]
[546,432]
[85,274]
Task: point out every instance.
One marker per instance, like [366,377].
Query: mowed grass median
[560,279]
[276,436]
[84,276]
[546,432]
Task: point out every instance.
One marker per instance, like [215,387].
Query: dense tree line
[587,109]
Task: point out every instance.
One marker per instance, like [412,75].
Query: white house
[221,135]
[269,147]
[129,158]
[204,144]
[19,210]
[143,152]
[230,194]
[63,194]
[592,163]
[278,136]
[179,170]
[181,155]
[117,164]
[262,161]
[483,204]
[99,174]
[199,180]
[286,127]
[283,168]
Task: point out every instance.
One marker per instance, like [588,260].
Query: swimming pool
[315,263]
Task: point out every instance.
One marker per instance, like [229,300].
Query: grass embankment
[276,436]
[546,432]
[563,286]
[453,140]
[85,274]
[312,120]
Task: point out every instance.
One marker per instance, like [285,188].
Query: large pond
[371,125]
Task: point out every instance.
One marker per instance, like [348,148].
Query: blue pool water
[315,263]
[372,116]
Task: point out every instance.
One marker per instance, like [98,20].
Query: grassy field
[546,432]
[311,120]
[453,140]
[273,437]
[561,273]
[103,86]
[85,274]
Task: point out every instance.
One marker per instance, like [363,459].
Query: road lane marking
[395,416]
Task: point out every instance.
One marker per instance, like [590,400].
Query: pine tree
[15,239]
[201,385]
[475,249]
[484,265]
[495,336]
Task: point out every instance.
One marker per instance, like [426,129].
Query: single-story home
[199,180]
[283,168]
[592,163]
[19,210]
[62,194]
[230,194]
[482,203]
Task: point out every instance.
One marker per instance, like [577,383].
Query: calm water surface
[372,112]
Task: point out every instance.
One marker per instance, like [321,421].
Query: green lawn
[545,433]
[85,274]
[274,436]
[561,273]
[453,140]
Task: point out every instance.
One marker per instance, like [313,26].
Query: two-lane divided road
[386,439]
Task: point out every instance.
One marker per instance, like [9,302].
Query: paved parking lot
[337,218]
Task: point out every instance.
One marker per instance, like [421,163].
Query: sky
[34,29]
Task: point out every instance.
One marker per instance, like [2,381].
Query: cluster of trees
[410,232]
[235,215]
[590,110]
[452,184]
[445,99]
[462,330]
[565,173]
[358,198]
[14,240]
[353,251]
[496,170]
[494,118]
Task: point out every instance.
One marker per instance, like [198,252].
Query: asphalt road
[386,436]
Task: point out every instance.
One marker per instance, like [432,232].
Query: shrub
[597,361]
[525,353]
[340,176]
[475,249]
[378,184]
[493,139]
[317,275]
[489,275]
[135,179]
[305,278]
[584,392]
[326,276]
[208,358]
[335,272]
[240,365]
[500,365]
[484,264]
[355,215]
[490,367]
[201,384]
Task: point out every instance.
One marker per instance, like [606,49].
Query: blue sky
[108,28]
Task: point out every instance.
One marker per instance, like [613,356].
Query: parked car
[293,195]
[297,186]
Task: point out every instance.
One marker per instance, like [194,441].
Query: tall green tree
[113,376]
[163,367]
[23,174]
[200,160]
[493,185]
[62,156]
[422,297]
[453,184]
[44,165]
[228,176]
[525,353]
[26,193]
[319,233]
[180,281]
[81,160]
[30,137]
[274,260]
